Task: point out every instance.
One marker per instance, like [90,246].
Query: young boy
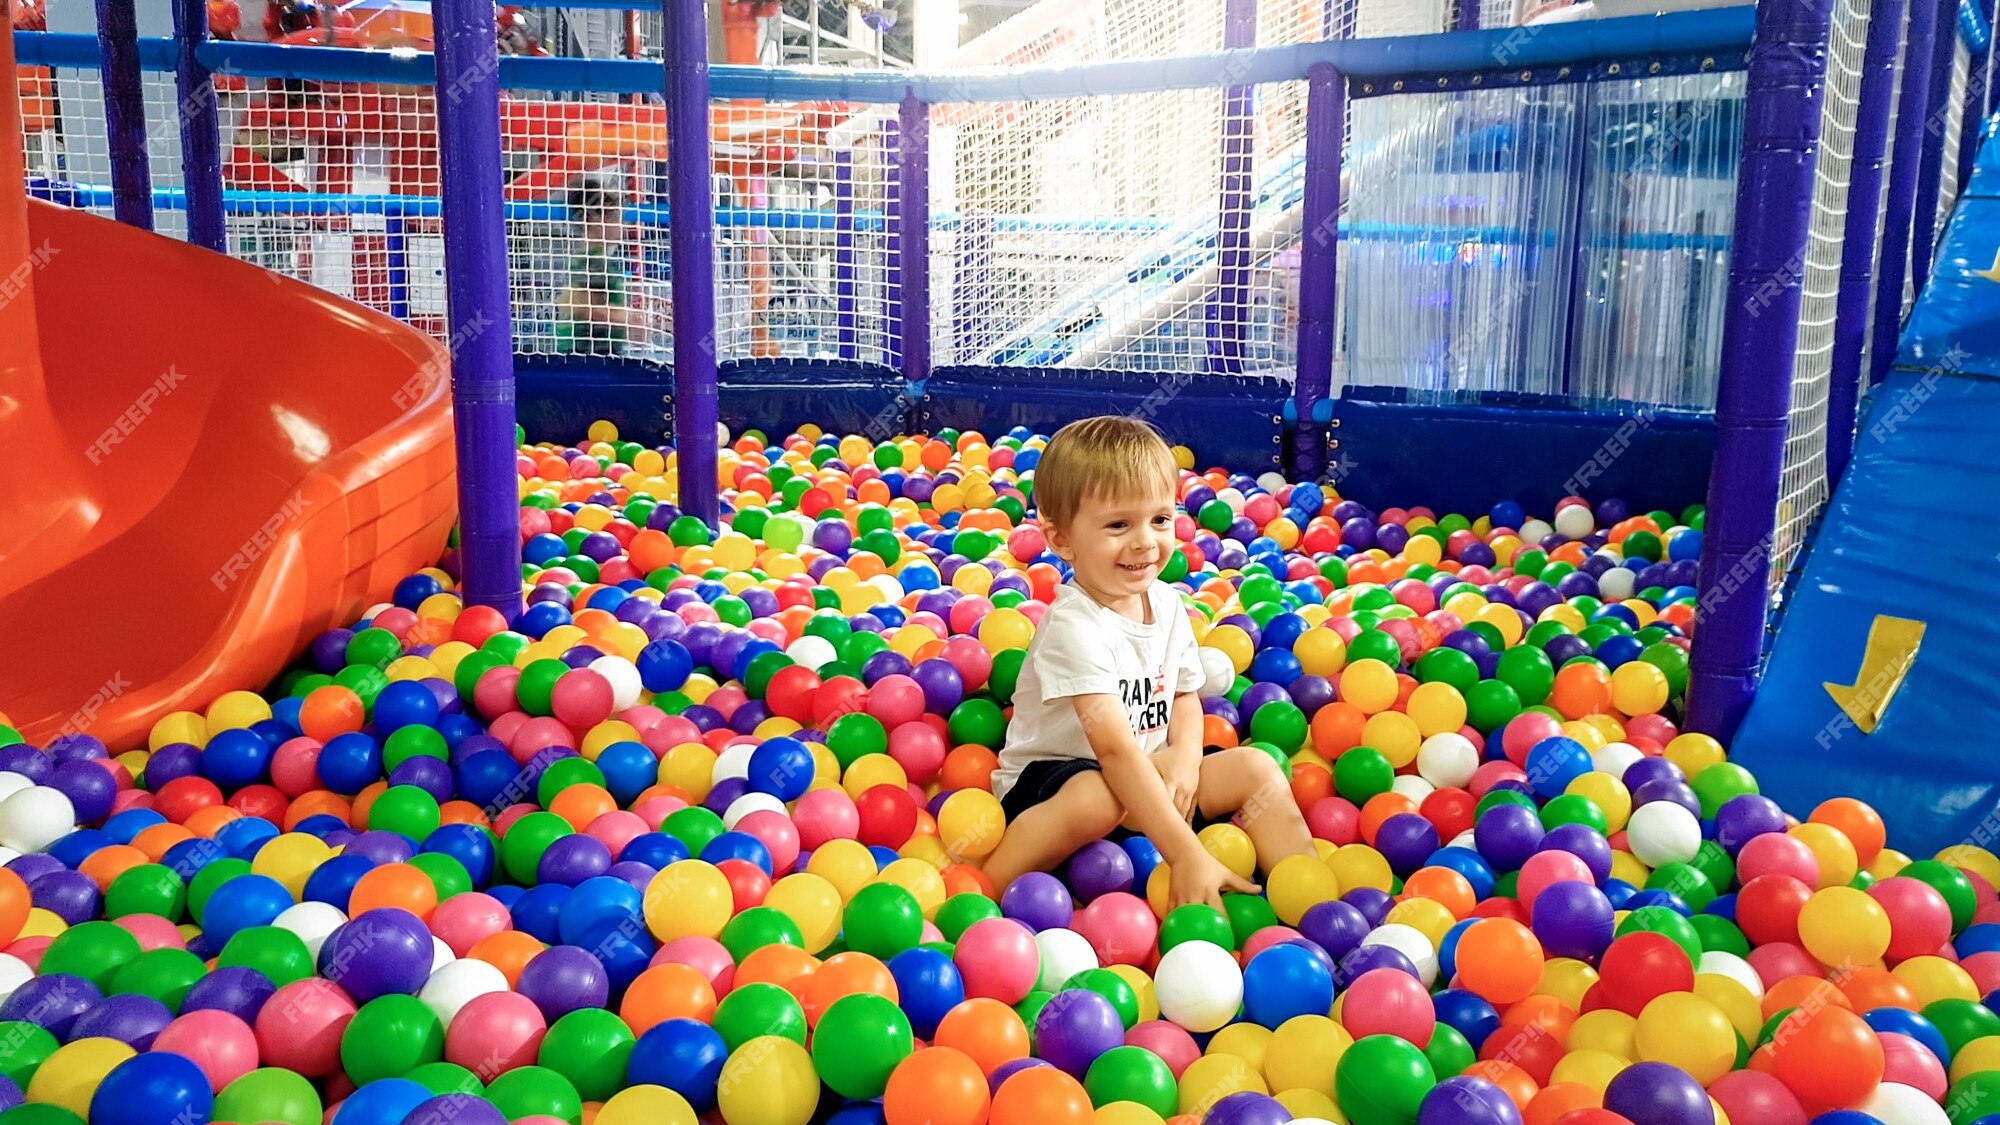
[596,313]
[1107,726]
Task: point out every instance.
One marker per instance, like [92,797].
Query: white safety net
[68,156]
[1803,488]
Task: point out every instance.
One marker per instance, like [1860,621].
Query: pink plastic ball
[29,950]
[1545,869]
[825,814]
[967,612]
[153,932]
[616,829]
[767,629]
[778,834]
[1523,731]
[1490,774]
[1120,927]
[1335,820]
[653,810]
[463,919]
[494,693]
[538,734]
[1752,1095]
[919,749]
[894,700]
[1389,1002]
[973,662]
[295,767]
[704,955]
[508,816]
[1780,959]
[998,959]
[1169,1041]
[126,799]
[1919,918]
[1910,1063]
[506,727]
[727,699]
[1024,543]
[300,1026]
[495,1033]
[1266,938]
[222,1045]
[1775,853]
[582,698]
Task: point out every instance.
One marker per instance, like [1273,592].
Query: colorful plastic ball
[859,1041]
[271,1095]
[222,1046]
[1285,981]
[998,959]
[768,1081]
[376,953]
[494,1032]
[70,1077]
[1383,1078]
[301,1027]
[1199,985]
[150,1088]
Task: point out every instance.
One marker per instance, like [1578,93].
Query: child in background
[595,313]
[1107,726]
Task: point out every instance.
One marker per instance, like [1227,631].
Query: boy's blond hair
[1108,455]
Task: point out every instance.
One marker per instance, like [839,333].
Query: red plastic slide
[202,465]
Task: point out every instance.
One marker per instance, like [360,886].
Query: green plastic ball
[859,1041]
[1196,922]
[589,1048]
[529,1090]
[882,920]
[388,1037]
[757,1009]
[1132,1074]
[280,955]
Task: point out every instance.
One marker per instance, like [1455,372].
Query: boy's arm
[1133,779]
[1179,761]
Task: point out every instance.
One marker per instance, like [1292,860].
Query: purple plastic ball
[1337,927]
[1573,920]
[131,1019]
[1406,840]
[456,1109]
[69,895]
[1507,835]
[1373,904]
[1744,817]
[1010,1068]
[1247,1107]
[1038,901]
[1648,770]
[237,989]
[572,859]
[378,953]
[53,1002]
[1098,869]
[1583,842]
[1368,958]
[1659,1094]
[380,847]
[944,687]
[563,979]
[36,766]
[1466,1100]
[1075,1027]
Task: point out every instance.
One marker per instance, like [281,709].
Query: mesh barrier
[68,156]
[805,264]
[1803,488]
[1953,119]
[1657,215]
[1460,208]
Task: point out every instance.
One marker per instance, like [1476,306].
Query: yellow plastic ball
[769,1080]
[1297,884]
[646,1105]
[1973,858]
[1934,979]
[1395,734]
[847,864]
[1608,794]
[1606,1029]
[1124,1113]
[920,879]
[1247,1041]
[1436,708]
[1638,688]
[1321,652]
[1594,1069]
[1211,1078]
[1745,1014]
[1838,862]
[1303,1052]
[1232,642]
[812,903]
[1684,1030]
[1844,926]
[237,710]
[689,897]
[1142,987]
[1231,847]
[71,1074]
[181,726]
[1005,628]
[689,767]
[290,859]
[1368,684]
[1566,979]
[1310,1105]
[1692,752]
[871,770]
[607,733]
[1426,916]
[1980,1054]
[1358,865]
[43,922]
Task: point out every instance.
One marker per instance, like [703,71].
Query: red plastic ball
[888,816]
[185,796]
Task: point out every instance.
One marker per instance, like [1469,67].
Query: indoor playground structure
[516,567]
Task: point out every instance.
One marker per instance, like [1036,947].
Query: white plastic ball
[8,855]
[36,817]
[748,803]
[12,783]
[733,762]
[1411,786]
[313,922]
[14,973]
[1447,760]
[1065,953]
[1722,963]
[812,652]
[1218,675]
[1617,584]
[1893,1103]
[1199,985]
[1234,498]
[1411,943]
[1272,482]
[623,676]
[1575,522]
[441,954]
[1615,759]
[1663,832]
[1466,839]
[1534,531]
[458,984]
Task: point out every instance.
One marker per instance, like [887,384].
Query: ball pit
[697,836]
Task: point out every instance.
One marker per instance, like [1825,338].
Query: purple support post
[124,112]
[1760,329]
[1229,308]
[1893,264]
[1976,86]
[845,328]
[1319,255]
[201,130]
[480,315]
[1468,15]
[913,236]
[1857,248]
[692,233]
[1930,167]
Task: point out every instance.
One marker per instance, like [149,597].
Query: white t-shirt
[1082,648]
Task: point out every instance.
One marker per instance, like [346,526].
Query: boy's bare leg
[1246,780]
[1083,810]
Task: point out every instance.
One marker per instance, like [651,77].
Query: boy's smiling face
[1118,544]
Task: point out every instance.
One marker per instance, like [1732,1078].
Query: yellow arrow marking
[1992,272]
[1885,663]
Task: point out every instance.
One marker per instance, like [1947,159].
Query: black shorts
[1039,781]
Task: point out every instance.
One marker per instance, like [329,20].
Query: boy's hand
[1203,879]
[1182,775]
